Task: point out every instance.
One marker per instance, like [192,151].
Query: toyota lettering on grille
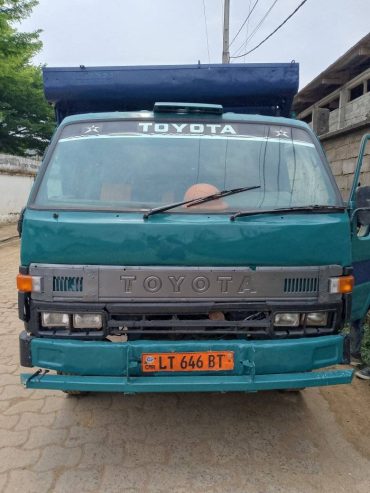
[197,284]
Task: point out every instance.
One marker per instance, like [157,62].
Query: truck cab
[187,247]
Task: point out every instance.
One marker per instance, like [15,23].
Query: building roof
[355,61]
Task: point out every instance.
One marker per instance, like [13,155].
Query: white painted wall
[16,179]
[14,191]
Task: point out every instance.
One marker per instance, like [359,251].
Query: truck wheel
[72,392]
[294,391]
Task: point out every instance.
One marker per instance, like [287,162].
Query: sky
[165,32]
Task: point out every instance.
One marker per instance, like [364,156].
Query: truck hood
[172,239]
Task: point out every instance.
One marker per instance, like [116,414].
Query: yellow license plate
[201,361]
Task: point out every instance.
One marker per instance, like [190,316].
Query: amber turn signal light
[342,284]
[26,283]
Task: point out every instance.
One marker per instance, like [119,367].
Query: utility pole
[226,52]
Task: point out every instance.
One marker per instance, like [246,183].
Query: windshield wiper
[304,208]
[200,200]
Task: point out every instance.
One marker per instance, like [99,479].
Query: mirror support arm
[356,176]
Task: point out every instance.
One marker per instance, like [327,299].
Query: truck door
[359,205]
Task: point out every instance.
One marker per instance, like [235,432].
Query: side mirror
[363,205]
[20,222]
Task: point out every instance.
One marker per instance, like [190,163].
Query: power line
[205,23]
[273,32]
[249,37]
[256,28]
[245,21]
[262,20]
[247,26]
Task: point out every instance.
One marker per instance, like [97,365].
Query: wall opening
[356,92]
[307,119]
[332,105]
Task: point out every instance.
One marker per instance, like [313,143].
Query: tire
[72,393]
[292,391]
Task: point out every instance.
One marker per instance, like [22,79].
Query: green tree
[26,119]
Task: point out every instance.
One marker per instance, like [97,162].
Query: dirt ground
[316,441]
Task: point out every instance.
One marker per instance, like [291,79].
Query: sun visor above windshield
[266,89]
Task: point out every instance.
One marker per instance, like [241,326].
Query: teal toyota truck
[184,234]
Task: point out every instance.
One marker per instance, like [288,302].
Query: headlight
[286,319]
[317,319]
[87,320]
[54,319]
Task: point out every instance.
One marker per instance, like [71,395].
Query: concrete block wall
[342,153]
[357,110]
[333,120]
[342,111]
[16,179]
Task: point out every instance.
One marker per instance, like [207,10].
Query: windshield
[141,165]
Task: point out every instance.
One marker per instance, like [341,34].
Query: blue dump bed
[266,89]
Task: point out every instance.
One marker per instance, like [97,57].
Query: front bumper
[103,366]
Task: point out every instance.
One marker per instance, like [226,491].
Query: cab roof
[150,115]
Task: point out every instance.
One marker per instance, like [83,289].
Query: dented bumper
[103,366]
